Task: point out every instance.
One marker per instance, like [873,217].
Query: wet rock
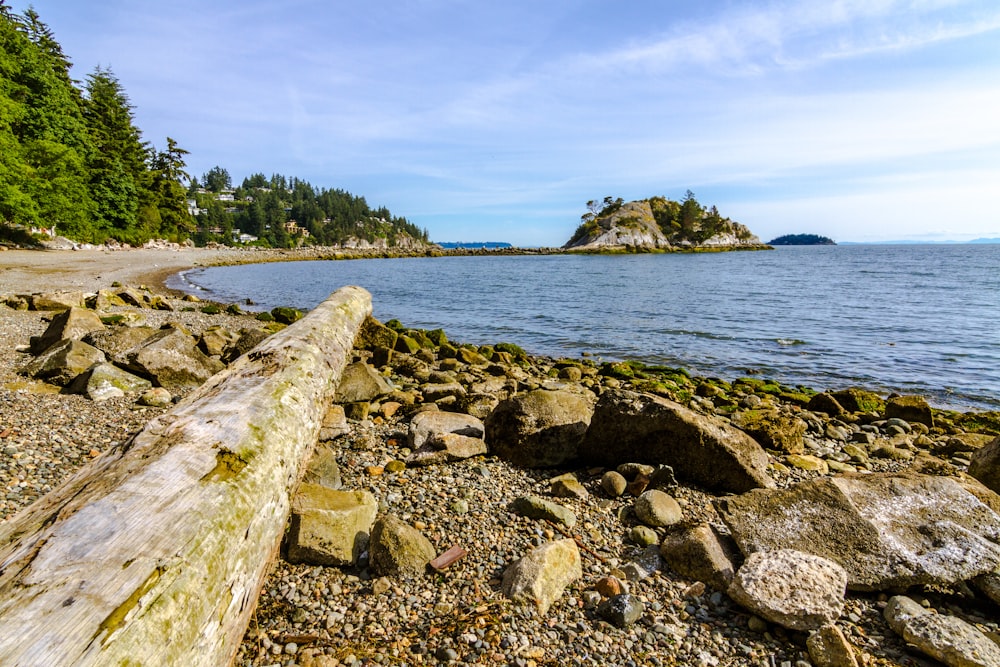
[699,552]
[628,426]
[104,381]
[330,527]
[534,507]
[773,429]
[828,647]
[854,399]
[172,360]
[72,323]
[622,611]
[63,362]
[543,574]
[398,549]
[909,408]
[360,383]
[945,638]
[796,590]
[656,508]
[887,530]
[540,428]
[985,465]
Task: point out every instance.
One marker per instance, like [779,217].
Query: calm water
[921,319]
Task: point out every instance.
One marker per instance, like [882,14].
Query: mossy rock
[486,350]
[395,325]
[211,309]
[234,309]
[286,315]
[406,344]
[438,337]
[854,399]
[113,319]
[510,348]
[423,340]
[978,422]
[795,398]
[624,370]
[447,351]
[265,317]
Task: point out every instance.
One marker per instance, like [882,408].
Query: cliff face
[656,224]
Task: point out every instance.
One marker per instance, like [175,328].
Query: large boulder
[773,429]
[104,381]
[398,548]
[431,424]
[330,527]
[628,426]
[58,300]
[172,360]
[373,334]
[540,428]
[985,465]
[909,408]
[116,341]
[360,383]
[543,574]
[946,638]
[796,590]
[246,341]
[63,362]
[72,323]
[888,530]
[216,339]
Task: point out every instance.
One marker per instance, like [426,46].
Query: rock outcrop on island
[658,224]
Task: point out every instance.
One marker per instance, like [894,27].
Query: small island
[802,239]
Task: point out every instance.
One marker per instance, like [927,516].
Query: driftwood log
[156,552]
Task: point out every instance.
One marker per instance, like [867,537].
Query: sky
[861,120]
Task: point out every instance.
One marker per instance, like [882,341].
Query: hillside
[658,224]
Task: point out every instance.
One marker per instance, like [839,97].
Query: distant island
[802,239]
[658,224]
[473,244]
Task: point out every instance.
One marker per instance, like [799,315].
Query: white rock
[946,638]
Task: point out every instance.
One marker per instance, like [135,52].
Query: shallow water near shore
[912,319]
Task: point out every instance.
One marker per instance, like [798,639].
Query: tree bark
[156,552]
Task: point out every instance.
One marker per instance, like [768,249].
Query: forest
[73,162]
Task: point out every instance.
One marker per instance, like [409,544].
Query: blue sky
[861,120]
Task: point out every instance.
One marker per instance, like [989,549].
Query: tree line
[73,161]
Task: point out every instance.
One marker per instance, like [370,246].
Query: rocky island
[802,239]
[658,224]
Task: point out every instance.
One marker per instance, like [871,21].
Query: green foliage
[513,350]
[802,239]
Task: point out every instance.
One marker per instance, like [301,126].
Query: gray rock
[613,483]
[427,425]
[445,448]
[656,508]
[910,408]
[104,381]
[62,300]
[699,552]
[247,341]
[334,423]
[887,530]
[828,647]
[985,465]
[622,610]
[172,360]
[72,323]
[543,574]
[568,486]
[323,469]
[945,638]
[329,527]
[360,383]
[215,339]
[796,590]
[444,390]
[397,548]
[534,507]
[116,341]
[63,362]
[540,428]
[628,426]
[825,403]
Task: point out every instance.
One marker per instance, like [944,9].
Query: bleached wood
[156,552]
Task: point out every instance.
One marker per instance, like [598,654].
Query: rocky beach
[574,512]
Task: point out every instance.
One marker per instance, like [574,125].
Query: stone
[286,315]
[622,610]
[62,300]
[989,585]
[826,404]
[373,334]
[613,483]
[985,465]
[357,411]
[540,428]
[888,530]
[644,536]
[323,469]
[609,586]
[63,362]
[133,297]
[72,323]
[701,553]
[215,339]
[471,357]
[569,488]
[828,647]
[541,576]
[447,447]
[105,300]
[534,507]
[104,381]
[360,383]
[911,409]
[329,527]
[773,429]
[157,397]
[808,462]
[398,549]
[628,426]
[171,360]
[796,590]
[438,391]
[334,423]
[406,344]
[854,399]
[247,341]
[116,341]
[946,638]
[656,508]
[428,425]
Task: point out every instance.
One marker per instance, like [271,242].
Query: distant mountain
[981,241]
[997,240]
[802,239]
[474,244]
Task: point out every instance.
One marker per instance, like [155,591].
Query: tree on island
[802,239]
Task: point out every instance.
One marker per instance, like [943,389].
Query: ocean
[921,319]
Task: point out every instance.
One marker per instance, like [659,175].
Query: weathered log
[156,552]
